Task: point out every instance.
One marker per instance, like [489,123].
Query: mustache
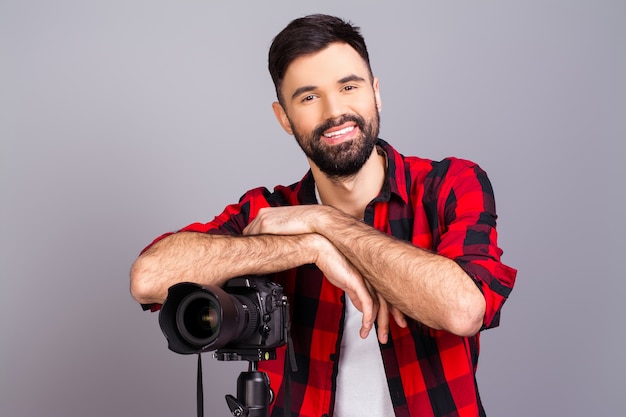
[330,123]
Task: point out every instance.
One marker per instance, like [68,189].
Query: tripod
[254,394]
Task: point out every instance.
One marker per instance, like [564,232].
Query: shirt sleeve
[467,232]
[233,219]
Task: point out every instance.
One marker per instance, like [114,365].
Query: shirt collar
[395,181]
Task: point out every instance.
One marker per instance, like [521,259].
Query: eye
[310,97]
[350,88]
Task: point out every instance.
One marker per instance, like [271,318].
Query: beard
[345,159]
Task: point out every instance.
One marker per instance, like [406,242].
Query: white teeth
[339,132]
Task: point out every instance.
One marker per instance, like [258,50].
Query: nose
[334,106]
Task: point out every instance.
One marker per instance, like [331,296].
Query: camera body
[244,320]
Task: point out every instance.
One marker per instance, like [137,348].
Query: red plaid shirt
[447,207]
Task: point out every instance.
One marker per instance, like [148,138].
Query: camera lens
[207,320]
[195,319]
[198,318]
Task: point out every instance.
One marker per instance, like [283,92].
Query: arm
[212,259]
[425,286]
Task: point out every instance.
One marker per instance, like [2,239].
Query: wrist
[316,245]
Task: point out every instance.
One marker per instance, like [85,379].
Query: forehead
[324,68]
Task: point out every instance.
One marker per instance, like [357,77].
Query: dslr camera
[246,319]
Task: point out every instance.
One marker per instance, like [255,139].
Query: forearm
[213,259]
[425,286]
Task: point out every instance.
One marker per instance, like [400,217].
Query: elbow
[468,319]
[139,288]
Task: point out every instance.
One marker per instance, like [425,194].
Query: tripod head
[254,394]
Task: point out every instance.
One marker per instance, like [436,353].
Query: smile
[339,132]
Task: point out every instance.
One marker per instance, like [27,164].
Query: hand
[342,274]
[336,268]
[288,220]
[384,311]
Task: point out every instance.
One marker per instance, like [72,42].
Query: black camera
[244,320]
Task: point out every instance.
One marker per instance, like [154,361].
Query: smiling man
[391,263]
[330,103]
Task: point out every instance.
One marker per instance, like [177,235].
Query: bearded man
[390,263]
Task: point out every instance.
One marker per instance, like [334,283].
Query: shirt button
[333,357]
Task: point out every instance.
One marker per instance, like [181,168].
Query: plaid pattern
[447,207]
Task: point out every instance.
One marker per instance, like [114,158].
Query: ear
[375,87]
[281,116]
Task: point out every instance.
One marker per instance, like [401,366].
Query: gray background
[121,120]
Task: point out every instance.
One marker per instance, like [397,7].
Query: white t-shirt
[361,383]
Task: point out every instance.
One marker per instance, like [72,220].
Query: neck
[352,195]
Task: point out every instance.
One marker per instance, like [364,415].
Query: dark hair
[308,35]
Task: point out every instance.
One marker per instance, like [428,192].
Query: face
[331,105]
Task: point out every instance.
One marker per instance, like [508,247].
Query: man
[411,242]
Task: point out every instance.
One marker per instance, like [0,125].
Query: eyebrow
[307,88]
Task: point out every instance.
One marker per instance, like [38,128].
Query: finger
[249,229]
[253,228]
[365,304]
[399,317]
[368,320]
[371,290]
[383,320]
[369,315]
